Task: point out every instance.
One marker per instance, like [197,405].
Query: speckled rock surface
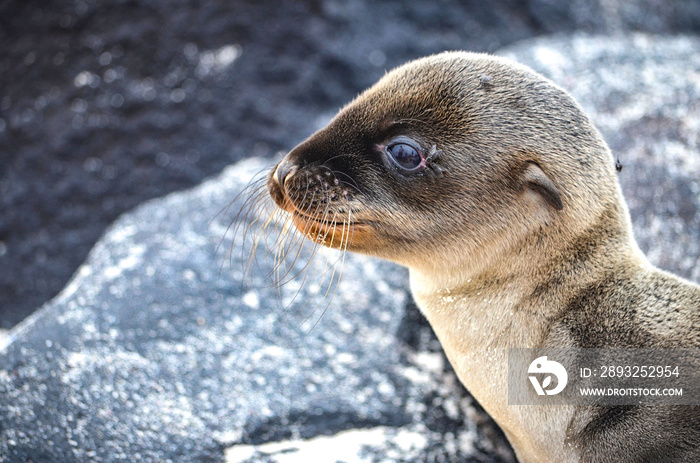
[153,352]
[105,104]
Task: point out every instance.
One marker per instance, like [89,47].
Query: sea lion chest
[476,329]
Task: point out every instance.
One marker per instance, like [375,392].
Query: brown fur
[516,236]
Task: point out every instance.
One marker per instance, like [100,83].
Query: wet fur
[523,240]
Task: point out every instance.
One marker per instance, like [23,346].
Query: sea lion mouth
[341,233]
[328,227]
[331,234]
[328,232]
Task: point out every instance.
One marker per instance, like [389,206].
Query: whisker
[242,212]
[297,238]
[327,265]
[293,253]
[254,201]
[331,284]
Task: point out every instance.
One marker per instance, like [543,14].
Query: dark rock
[106,104]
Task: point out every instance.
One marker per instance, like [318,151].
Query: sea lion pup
[493,187]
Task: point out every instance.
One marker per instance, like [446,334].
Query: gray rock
[156,351]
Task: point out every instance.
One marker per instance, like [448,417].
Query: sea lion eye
[405,156]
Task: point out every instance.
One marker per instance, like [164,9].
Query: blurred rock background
[104,104]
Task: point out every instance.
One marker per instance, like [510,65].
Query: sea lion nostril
[283,170]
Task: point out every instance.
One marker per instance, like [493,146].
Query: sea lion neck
[530,273]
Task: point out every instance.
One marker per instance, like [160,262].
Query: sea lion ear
[535,179]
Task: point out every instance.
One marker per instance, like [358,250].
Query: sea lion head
[444,158]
